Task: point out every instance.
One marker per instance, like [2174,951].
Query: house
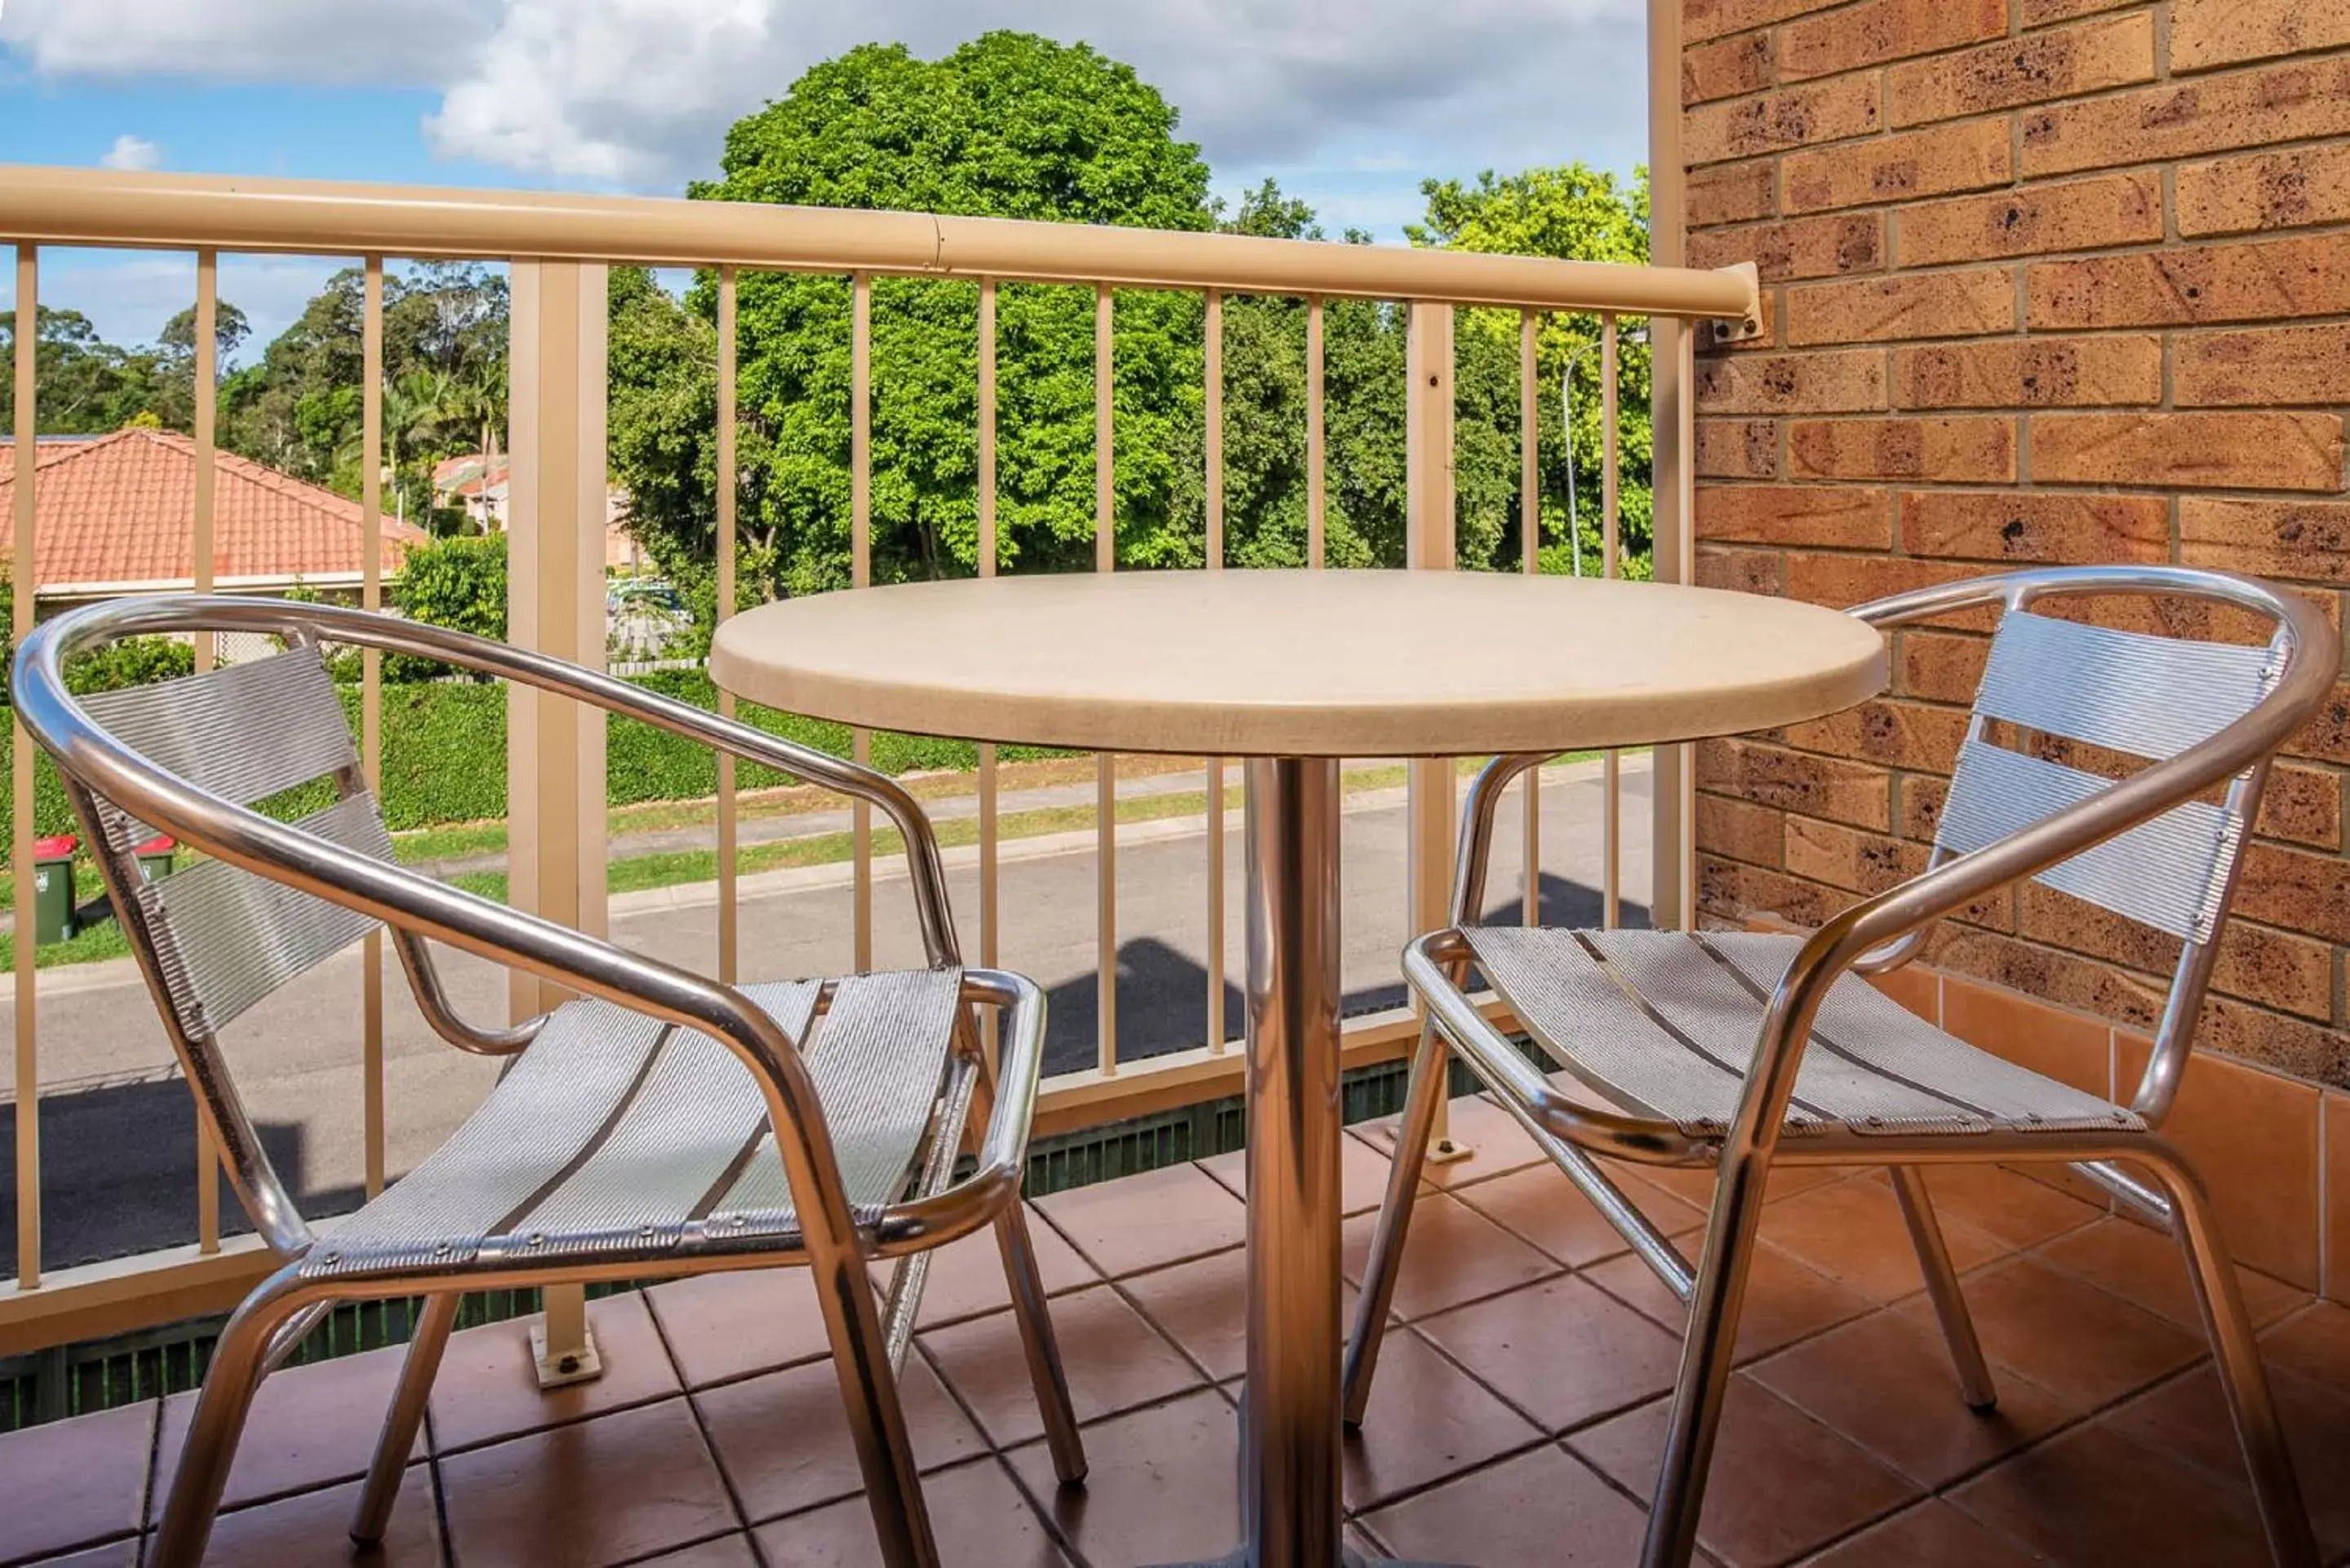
[481,485]
[115,515]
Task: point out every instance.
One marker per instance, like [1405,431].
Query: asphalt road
[118,1137]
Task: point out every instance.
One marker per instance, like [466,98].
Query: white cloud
[639,92]
[133,152]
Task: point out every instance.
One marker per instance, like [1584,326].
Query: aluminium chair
[661,1125]
[1742,1051]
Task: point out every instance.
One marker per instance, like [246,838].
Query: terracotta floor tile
[1885,1382]
[724,1551]
[977,1515]
[1428,1419]
[1497,1144]
[2188,1419]
[1853,1232]
[2148,1269]
[608,1490]
[782,1438]
[966,1278]
[2011,1208]
[1931,1535]
[1114,1359]
[312,1529]
[1782,1484]
[727,1326]
[1560,1350]
[1362,1173]
[1785,1301]
[1163,1486]
[2092,1496]
[1694,1185]
[1542,1507]
[1453,1254]
[2078,1341]
[123,1554]
[1541,1206]
[488,1386]
[1144,1222]
[310,1426]
[65,1484]
[2315,1343]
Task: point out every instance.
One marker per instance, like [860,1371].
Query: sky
[1347,103]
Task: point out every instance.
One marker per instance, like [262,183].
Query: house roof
[120,509]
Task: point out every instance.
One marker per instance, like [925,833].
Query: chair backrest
[2056,691]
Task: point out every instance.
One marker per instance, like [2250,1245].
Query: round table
[1294,670]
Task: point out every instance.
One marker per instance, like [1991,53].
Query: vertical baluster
[1611,826]
[861,523]
[730,940]
[1530,562]
[1215,563]
[1106,764]
[1430,546]
[1683,471]
[987,828]
[371,694]
[1316,496]
[20,848]
[201,548]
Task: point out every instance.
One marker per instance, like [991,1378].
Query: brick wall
[2046,281]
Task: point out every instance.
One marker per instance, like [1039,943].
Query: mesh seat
[1664,1023]
[615,1134]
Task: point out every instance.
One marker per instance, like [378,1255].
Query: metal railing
[558,248]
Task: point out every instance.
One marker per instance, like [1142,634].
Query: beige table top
[1262,663]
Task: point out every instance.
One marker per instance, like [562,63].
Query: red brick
[1736,892]
[1737,449]
[2296,102]
[1879,30]
[1910,735]
[2326,737]
[2029,373]
[1740,571]
[1791,384]
[1842,582]
[2209,33]
[2078,216]
[2237,452]
[2254,962]
[2262,366]
[1732,192]
[2066,63]
[1846,857]
[1791,781]
[2305,539]
[1803,247]
[1739,829]
[1726,69]
[1944,450]
[2043,13]
[1705,20]
[1940,666]
[1774,121]
[2066,978]
[2035,527]
[2303,805]
[1936,163]
[1924,305]
[2287,1045]
[2270,191]
[2295,889]
[1846,516]
[2262,280]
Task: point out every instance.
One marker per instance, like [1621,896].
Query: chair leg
[239,1363]
[1044,1351]
[1975,1384]
[1703,1382]
[1430,1067]
[407,1413]
[2236,1353]
[877,1420]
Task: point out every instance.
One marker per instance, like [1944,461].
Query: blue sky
[1348,103]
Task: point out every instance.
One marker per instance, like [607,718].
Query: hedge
[444,754]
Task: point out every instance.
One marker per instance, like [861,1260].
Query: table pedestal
[1291,1507]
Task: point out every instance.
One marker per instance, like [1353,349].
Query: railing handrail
[198,211]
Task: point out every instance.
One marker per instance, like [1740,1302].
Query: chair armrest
[1001,1162]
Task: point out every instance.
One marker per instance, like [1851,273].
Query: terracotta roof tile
[121,509]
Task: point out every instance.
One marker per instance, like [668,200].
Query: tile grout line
[999,1457]
[702,1426]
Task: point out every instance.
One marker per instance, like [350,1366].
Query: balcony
[1515,1421]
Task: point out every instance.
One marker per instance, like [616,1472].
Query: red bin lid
[59,846]
[161,844]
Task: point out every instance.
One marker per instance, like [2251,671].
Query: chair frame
[1874,935]
[869,1341]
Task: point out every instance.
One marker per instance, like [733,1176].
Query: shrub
[458,583]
